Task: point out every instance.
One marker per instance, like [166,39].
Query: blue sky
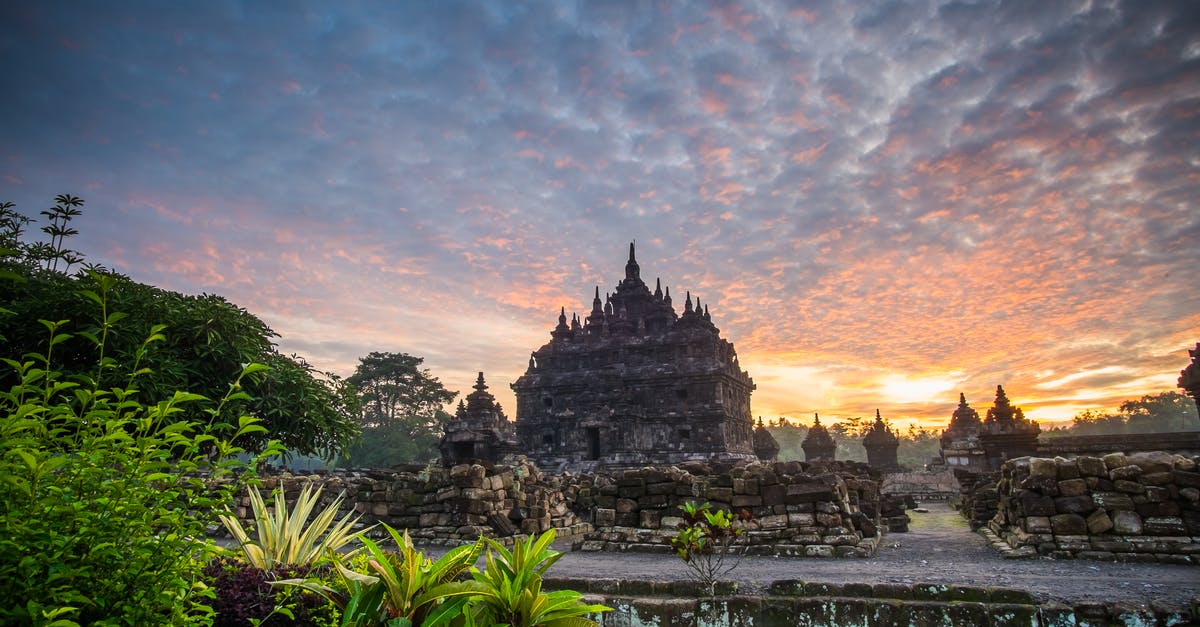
[882,203]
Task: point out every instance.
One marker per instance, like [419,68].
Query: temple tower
[766,448]
[634,384]
[960,446]
[479,431]
[1006,433]
[881,444]
[818,445]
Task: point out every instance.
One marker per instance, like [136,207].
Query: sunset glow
[883,204]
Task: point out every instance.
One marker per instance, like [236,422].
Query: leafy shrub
[243,593]
[510,590]
[285,538]
[707,538]
[105,499]
[400,589]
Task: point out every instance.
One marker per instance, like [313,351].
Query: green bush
[106,499]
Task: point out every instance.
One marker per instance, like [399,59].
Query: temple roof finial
[631,267]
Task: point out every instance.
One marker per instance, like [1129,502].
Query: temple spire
[632,271]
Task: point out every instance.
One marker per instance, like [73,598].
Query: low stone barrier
[817,510]
[921,486]
[790,603]
[442,505]
[1143,507]
[829,509]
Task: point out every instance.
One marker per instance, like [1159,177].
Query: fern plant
[286,538]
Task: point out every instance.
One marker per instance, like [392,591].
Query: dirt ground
[939,548]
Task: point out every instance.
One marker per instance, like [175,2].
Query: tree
[1162,412]
[402,410]
[206,340]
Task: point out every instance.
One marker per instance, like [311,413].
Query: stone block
[1185,479]
[650,519]
[1112,501]
[1165,508]
[1031,504]
[808,493]
[1128,473]
[1043,467]
[773,494]
[1099,522]
[1091,466]
[723,495]
[774,521]
[1129,487]
[1072,487]
[625,506]
[1115,460]
[1037,524]
[605,517]
[1068,524]
[801,520]
[1164,526]
[1153,461]
[819,550]
[746,500]
[1126,523]
[1157,478]
[1074,504]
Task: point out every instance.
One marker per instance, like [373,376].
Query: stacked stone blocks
[1143,507]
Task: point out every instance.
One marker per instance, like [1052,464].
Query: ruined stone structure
[1006,433]
[1141,507]
[479,430]
[765,445]
[818,445]
[960,446]
[1189,377]
[881,445]
[634,384]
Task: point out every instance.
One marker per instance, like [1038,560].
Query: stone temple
[634,384]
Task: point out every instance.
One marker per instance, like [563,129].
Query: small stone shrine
[479,431]
[765,445]
[881,444]
[1006,433]
[634,384]
[960,441]
[1189,377]
[818,445]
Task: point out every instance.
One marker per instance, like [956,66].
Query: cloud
[871,199]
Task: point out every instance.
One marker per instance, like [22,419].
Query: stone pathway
[939,549]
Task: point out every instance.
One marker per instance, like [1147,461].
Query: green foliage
[707,538]
[286,538]
[400,589]
[106,498]
[1163,412]
[510,591]
[402,411]
[206,342]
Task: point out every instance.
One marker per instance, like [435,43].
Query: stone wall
[790,603]
[827,509]
[921,486]
[1141,507]
[821,510]
[443,505]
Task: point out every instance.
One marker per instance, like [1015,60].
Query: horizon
[883,205]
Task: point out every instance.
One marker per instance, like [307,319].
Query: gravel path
[939,548]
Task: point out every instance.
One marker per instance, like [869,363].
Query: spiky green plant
[404,589]
[511,589]
[286,538]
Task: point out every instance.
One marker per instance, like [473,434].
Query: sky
[883,204]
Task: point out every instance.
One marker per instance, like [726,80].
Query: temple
[479,431]
[634,384]
[818,445]
[960,446]
[882,445]
[1189,377]
[1006,433]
